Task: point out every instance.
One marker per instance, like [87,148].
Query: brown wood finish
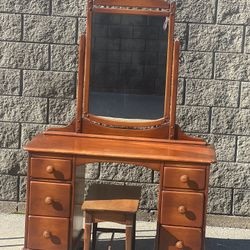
[205,207]
[50,168]
[50,199]
[87,231]
[174,238]
[132,3]
[87,59]
[91,127]
[192,140]
[159,207]
[180,135]
[69,128]
[129,237]
[80,83]
[174,87]
[162,12]
[167,152]
[94,147]
[76,230]
[183,161]
[120,122]
[182,208]
[27,204]
[169,62]
[47,233]
[111,203]
[187,178]
[119,212]
[101,216]
[117,205]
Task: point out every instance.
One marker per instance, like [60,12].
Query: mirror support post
[169,61]
[87,59]
[174,86]
[80,83]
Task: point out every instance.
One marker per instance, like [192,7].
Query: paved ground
[218,238]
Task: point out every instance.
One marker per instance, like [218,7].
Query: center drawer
[182,208]
[50,199]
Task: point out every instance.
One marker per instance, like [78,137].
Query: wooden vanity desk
[120,117]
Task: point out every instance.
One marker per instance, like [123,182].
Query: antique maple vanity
[126,112]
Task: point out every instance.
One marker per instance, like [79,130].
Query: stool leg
[87,231]
[134,232]
[94,236]
[129,237]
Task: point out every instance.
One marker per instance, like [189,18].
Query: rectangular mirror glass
[128,66]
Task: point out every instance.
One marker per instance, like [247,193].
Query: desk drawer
[50,199]
[50,168]
[174,238]
[187,178]
[182,208]
[48,233]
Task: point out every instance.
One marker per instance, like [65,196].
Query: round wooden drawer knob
[179,244]
[48,200]
[182,210]
[184,178]
[46,234]
[49,169]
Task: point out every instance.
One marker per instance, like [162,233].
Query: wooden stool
[111,203]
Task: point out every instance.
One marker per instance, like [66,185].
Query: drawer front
[50,199]
[182,208]
[50,168]
[48,233]
[187,178]
[174,238]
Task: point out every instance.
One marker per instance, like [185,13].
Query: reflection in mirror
[128,65]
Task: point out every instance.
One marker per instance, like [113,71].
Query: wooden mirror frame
[154,8]
[86,124]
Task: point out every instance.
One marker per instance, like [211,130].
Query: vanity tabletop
[122,147]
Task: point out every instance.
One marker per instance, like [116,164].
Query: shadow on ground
[143,244]
[227,244]
[148,244]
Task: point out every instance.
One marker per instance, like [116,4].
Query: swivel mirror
[128,66]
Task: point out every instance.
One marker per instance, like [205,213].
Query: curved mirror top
[128,66]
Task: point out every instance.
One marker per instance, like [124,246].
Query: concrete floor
[217,238]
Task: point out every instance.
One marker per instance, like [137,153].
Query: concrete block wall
[38,63]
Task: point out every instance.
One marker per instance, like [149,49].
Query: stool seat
[118,205]
[111,203]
